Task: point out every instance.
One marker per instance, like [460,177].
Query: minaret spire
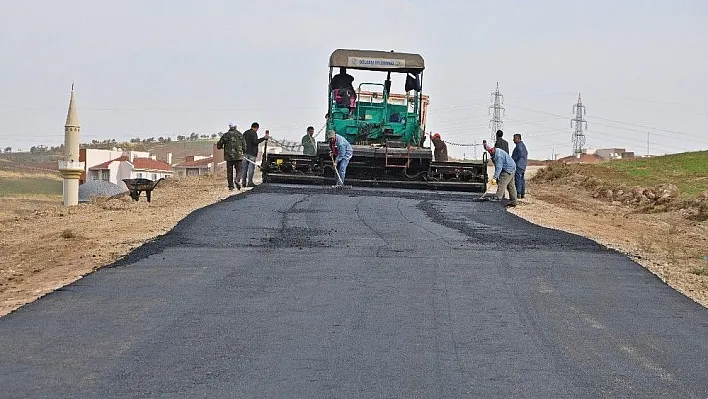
[70,167]
[72,118]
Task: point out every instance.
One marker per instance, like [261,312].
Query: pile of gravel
[98,188]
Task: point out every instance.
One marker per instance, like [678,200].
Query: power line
[653,128]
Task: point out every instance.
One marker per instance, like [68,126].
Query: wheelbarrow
[137,186]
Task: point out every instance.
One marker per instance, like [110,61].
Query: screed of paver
[311,292]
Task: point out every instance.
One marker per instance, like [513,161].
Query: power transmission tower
[496,110]
[578,135]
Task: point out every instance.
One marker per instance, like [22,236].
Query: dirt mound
[660,198]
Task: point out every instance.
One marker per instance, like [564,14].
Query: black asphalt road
[308,292]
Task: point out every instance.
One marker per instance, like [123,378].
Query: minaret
[70,167]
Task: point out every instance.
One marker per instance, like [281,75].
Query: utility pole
[496,122]
[578,135]
[648,132]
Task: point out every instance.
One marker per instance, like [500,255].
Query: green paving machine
[386,130]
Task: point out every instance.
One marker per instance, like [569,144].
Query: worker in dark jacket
[501,143]
[252,141]
[440,151]
[343,80]
[309,145]
[234,145]
[520,156]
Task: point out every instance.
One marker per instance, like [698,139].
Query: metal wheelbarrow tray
[137,186]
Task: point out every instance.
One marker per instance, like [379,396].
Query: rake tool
[486,191]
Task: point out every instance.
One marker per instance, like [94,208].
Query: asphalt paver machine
[386,130]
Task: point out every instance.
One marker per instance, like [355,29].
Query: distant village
[193,155]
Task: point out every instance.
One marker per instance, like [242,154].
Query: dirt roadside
[46,246]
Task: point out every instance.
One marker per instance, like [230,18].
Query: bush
[68,233]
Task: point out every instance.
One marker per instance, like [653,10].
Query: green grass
[688,171]
[9,187]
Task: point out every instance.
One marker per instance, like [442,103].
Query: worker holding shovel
[340,152]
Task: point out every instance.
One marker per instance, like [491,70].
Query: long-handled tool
[486,191]
[255,164]
[339,177]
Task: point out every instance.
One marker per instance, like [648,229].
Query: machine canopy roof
[372,60]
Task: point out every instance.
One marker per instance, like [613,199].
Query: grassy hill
[30,187]
[181,149]
[687,171]
[664,183]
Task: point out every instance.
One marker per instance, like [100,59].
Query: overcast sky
[150,68]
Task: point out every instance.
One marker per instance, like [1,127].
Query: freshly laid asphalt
[291,291]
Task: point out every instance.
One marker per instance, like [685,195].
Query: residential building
[195,165]
[91,157]
[130,167]
[614,153]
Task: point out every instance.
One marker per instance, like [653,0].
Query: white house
[92,156]
[130,167]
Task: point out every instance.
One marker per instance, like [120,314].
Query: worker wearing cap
[440,151]
[341,152]
[504,170]
[234,146]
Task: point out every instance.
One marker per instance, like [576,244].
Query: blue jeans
[519,180]
[248,169]
[342,168]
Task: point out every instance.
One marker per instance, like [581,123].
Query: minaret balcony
[71,165]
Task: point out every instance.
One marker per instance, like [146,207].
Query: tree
[8,150]
[181,138]
[213,136]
